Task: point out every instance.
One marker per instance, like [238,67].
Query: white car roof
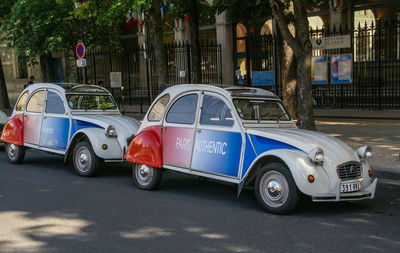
[227,91]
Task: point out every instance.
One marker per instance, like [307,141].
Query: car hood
[124,126]
[335,150]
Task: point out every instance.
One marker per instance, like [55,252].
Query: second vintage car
[82,123]
[246,137]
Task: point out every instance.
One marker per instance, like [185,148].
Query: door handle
[199,130]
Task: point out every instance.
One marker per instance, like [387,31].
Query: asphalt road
[45,207]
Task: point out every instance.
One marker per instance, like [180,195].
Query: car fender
[13,131]
[300,167]
[145,148]
[97,138]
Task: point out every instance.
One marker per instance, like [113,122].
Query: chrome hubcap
[144,174]
[274,189]
[12,150]
[83,159]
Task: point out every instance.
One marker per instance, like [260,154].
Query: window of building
[364,29]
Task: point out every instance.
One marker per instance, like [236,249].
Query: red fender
[13,131]
[145,148]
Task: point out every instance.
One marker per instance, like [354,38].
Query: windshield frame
[269,99]
[106,94]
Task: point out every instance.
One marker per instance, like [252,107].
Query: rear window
[21,102]
[158,109]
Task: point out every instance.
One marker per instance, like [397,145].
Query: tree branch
[277,10]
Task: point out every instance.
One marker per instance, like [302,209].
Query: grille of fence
[136,68]
[376,67]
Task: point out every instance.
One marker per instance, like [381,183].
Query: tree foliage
[38,27]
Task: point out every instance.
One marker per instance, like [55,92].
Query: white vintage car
[245,136]
[82,123]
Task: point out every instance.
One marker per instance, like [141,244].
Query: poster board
[341,68]
[262,78]
[115,79]
[319,70]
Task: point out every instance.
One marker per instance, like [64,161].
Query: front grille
[350,170]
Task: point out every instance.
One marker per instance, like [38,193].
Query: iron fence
[376,67]
[139,73]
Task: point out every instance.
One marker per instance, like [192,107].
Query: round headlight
[316,155]
[110,131]
[364,152]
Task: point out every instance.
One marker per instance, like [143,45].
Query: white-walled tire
[146,177]
[276,189]
[85,160]
[15,153]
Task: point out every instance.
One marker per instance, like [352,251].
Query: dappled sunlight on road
[21,233]
[146,233]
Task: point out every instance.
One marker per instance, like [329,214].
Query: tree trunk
[196,50]
[301,45]
[4,101]
[46,67]
[156,39]
[306,115]
[288,67]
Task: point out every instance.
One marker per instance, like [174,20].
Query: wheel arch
[78,137]
[269,158]
[13,131]
[146,148]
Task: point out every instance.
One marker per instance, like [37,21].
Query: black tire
[276,189]
[85,161]
[15,153]
[146,177]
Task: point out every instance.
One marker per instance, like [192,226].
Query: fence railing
[137,70]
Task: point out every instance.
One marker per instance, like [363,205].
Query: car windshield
[91,102]
[260,109]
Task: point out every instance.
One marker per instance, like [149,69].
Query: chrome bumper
[367,193]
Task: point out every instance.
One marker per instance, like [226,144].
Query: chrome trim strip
[202,174]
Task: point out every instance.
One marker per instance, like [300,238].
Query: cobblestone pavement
[382,135]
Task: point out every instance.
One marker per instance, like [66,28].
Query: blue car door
[56,123]
[218,139]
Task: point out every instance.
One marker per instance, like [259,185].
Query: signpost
[80,50]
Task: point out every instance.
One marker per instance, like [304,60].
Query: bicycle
[323,98]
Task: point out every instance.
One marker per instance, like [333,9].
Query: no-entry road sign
[80,50]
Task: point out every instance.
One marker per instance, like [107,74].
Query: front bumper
[367,193]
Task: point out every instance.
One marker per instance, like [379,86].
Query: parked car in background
[3,120]
[81,122]
[245,136]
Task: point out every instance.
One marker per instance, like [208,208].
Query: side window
[54,103]
[183,110]
[35,103]
[21,101]
[158,109]
[215,112]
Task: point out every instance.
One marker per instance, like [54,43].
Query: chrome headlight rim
[364,152]
[110,131]
[317,156]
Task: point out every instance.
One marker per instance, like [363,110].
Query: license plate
[350,187]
